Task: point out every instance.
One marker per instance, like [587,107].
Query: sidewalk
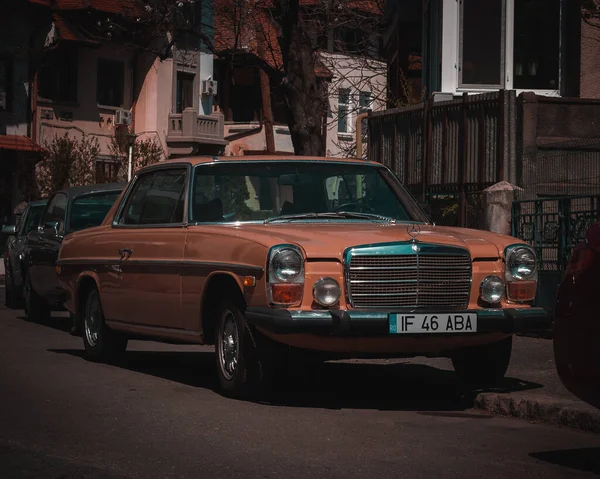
[533,390]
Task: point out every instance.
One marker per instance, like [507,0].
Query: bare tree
[144,152]
[283,38]
[68,162]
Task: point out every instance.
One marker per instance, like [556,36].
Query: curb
[541,409]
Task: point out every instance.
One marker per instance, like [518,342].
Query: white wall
[356,74]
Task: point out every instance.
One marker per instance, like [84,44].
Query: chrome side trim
[184,335]
[158,262]
[310,314]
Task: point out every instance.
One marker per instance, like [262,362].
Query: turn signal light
[287,294]
[522,290]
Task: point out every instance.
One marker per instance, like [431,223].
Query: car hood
[329,240]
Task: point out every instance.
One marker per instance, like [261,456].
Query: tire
[10,299]
[483,365]
[245,361]
[101,343]
[36,308]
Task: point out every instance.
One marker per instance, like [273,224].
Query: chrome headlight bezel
[294,255]
[318,296]
[486,285]
[512,255]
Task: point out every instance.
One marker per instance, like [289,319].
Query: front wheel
[36,307]
[245,364]
[483,365]
[101,343]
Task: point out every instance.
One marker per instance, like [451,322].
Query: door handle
[125,253]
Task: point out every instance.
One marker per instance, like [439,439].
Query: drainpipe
[132,88]
[359,144]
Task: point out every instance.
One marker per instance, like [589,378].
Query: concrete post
[497,207]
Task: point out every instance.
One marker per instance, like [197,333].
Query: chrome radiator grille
[412,280]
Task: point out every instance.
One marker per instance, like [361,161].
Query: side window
[30,219]
[56,211]
[157,198]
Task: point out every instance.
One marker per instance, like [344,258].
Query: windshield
[32,220]
[90,210]
[289,190]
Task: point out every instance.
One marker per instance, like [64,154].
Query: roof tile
[18,143]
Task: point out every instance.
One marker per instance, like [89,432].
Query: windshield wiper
[357,215]
[332,214]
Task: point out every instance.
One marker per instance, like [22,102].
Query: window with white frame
[509,44]
[365,101]
[344,111]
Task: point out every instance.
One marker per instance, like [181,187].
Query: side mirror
[9,230]
[50,228]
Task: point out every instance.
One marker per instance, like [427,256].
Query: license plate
[433,323]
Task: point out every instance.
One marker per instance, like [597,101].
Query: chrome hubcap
[229,346]
[92,325]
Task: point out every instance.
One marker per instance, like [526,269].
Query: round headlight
[287,264]
[326,292]
[521,263]
[491,289]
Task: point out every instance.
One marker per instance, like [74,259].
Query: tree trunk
[265,93]
[305,98]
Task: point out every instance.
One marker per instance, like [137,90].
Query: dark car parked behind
[68,210]
[13,256]
[577,321]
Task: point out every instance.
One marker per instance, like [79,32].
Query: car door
[29,222]
[148,238]
[17,246]
[43,245]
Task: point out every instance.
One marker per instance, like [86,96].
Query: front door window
[56,212]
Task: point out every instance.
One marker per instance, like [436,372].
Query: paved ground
[156,416]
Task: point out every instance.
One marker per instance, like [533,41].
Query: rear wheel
[483,365]
[36,307]
[101,343]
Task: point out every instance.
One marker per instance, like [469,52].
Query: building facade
[541,46]
[58,76]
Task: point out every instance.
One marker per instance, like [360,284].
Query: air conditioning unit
[123,117]
[209,87]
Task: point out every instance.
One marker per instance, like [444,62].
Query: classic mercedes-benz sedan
[325,258]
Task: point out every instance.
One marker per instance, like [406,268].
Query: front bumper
[376,323]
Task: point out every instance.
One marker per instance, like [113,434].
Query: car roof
[75,191]
[198,160]
[37,203]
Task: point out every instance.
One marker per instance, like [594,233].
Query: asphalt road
[156,415]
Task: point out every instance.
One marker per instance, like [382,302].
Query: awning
[19,143]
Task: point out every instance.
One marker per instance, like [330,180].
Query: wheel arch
[85,283]
[219,285]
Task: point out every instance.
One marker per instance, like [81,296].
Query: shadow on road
[587,459]
[335,385]
[58,323]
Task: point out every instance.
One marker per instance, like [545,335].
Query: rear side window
[90,210]
[157,198]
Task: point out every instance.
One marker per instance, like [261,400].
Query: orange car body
[155,281]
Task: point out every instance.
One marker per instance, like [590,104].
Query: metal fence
[448,152]
[554,226]
[561,169]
